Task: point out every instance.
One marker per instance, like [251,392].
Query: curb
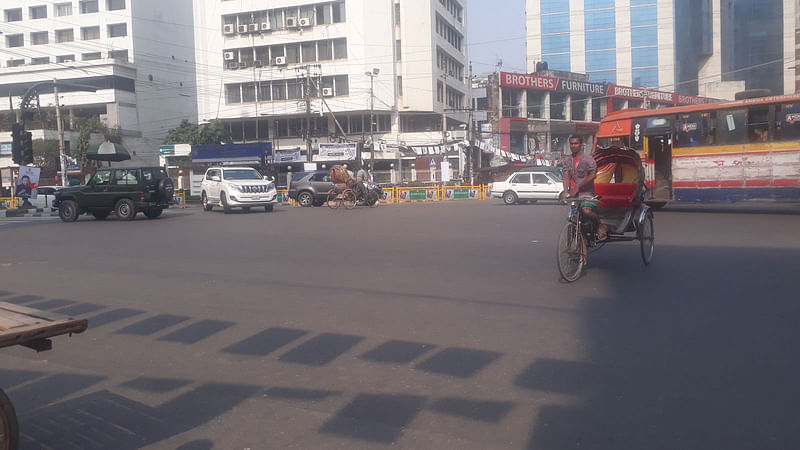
[39,212]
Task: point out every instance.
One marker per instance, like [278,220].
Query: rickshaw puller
[580,172]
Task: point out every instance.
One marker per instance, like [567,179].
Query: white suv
[237,187]
[529,186]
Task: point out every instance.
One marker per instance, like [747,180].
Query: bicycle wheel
[571,250]
[349,199]
[333,199]
[647,239]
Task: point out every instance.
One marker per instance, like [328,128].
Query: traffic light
[27,148]
[16,143]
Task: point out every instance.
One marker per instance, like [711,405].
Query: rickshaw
[619,188]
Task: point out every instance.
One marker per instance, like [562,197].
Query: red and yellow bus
[733,151]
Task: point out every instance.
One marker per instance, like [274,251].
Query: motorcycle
[370,194]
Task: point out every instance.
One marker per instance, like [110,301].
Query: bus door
[659,153]
[658,148]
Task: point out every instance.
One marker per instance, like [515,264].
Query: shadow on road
[698,351]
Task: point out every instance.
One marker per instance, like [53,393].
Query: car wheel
[125,209]
[101,215]
[206,205]
[509,198]
[268,208]
[305,199]
[154,212]
[224,200]
[68,211]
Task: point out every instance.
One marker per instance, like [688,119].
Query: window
[250,132]
[758,124]
[126,176]
[558,103]
[692,130]
[553,6]
[119,55]
[90,56]
[644,15]
[90,33]
[323,14]
[340,48]
[114,5]
[13,15]
[65,58]
[263,129]
[356,124]
[213,173]
[540,178]
[536,104]
[89,6]
[324,50]
[248,92]
[15,40]
[644,36]
[522,178]
[294,89]
[38,61]
[559,43]
[730,126]
[15,62]
[599,20]
[342,85]
[38,12]
[101,177]
[118,30]
[309,50]
[601,60]
[338,12]
[397,50]
[645,77]
[39,38]
[788,121]
[65,35]
[578,108]
[63,9]
[644,57]
[292,53]
[603,76]
[558,62]
[279,90]
[599,40]
[233,94]
[322,176]
[397,13]
[558,23]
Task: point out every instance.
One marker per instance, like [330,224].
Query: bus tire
[9,427]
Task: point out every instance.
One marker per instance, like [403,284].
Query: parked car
[529,186]
[124,191]
[310,188]
[237,187]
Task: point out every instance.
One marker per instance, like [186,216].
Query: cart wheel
[333,199]
[9,427]
[349,199]
[647,238]
[571,252]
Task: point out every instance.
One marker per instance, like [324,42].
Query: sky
[496,30]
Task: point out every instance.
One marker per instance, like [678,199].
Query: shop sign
[286,156]
[582,87]
[5,149]
[640,94]
[526,81]
[337,152]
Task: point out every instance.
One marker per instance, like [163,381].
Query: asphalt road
[416,326]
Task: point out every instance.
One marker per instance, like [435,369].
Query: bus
[719,152]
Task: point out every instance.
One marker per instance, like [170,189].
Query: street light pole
[61,155]
[372,74]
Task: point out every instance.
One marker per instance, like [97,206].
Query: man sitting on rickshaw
[579,173]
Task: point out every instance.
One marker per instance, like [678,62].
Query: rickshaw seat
[616,195]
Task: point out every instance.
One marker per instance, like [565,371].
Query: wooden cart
[32,328]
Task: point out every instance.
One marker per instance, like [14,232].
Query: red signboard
[615,128]
[641,94]
[522,80]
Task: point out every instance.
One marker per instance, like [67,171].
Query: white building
[254,57]
[139,54]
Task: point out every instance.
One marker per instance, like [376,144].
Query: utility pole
[469,127]
[61,156]
[371,125]
[444,107]
[308,112]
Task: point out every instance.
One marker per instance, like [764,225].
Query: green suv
[125,191]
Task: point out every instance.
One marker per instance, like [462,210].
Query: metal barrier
[179,199]
[463,192]
[389,194]
[418,194]
[283,198]
[8,202]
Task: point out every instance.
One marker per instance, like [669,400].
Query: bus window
[758,124]
[731,126]
[788,121]
[692,130]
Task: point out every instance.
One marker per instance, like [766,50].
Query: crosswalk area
[6,222]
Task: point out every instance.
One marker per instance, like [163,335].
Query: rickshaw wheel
[349,199]
[9,427]
[333,199]
[570,252]
[647,239]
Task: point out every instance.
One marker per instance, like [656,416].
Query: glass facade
[644,43]
[555,33]
[601,40]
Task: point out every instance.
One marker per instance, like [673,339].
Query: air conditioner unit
[229,56]
[242,65]
[242,29]
[265,26]
[228,28]
[280,61]
[253,28]
[291,22]
[258,63]
[305,22]
[327,92]
[232,65]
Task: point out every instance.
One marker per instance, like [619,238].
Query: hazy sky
[496,29]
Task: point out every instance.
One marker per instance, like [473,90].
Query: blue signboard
[255,152]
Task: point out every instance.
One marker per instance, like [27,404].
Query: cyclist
[579,173]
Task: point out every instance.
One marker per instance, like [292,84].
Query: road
[416,326]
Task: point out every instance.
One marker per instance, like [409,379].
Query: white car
[237,187]
[528,186]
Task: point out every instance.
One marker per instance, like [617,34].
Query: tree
[205,134]
[45,155]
